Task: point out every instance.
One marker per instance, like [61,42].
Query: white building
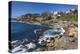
[68,11]
[55,13]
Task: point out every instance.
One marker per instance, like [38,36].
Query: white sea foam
[55,32]
[14,41]
[16,49]
[31,45]
[25,48]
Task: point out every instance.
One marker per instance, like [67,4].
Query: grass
[69,17]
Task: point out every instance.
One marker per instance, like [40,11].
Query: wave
[54,32]
[40,33]
[25,45]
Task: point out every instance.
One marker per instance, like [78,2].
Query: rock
[68,41]
[50,48]
[48,41]
[39,49]
[43,43]
[72,31]
[72,39]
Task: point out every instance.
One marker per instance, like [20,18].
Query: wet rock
[43,43]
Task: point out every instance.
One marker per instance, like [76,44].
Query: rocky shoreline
[69,40]
[69,22]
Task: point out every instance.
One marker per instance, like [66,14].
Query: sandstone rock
[72,39]
[68,41]
[72,31]
[50,48]
[48,41]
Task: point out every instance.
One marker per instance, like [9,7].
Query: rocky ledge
[68,41]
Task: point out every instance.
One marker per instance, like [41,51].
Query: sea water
[23,31]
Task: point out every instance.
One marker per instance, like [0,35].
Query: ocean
[21,31]
[28,37]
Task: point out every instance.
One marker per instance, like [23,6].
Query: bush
[69,17]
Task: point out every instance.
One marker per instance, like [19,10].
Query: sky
[21,8]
